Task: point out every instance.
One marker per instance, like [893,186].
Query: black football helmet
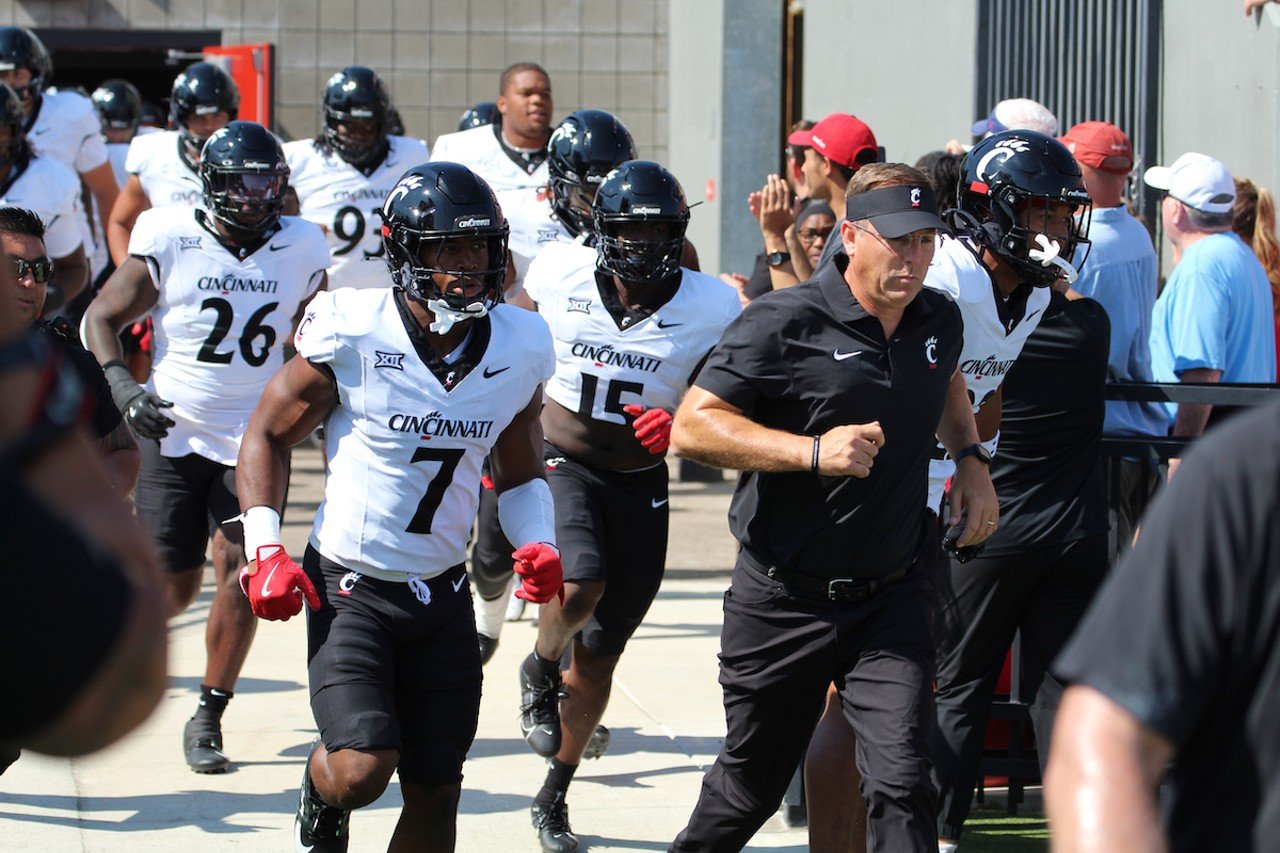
[21,48]
[11,117]
[356,94]
[119,104]
[153,115]
[485,112]
[432,203]
[635,192]
[244,175]
[1000,177]
[203,89]
[587,145]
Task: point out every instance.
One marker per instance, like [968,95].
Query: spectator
[812,230]
[1120,272]
[795,157]
[1176,668]
[1011,114]
[1254,219]
[1213,322]
[944,169]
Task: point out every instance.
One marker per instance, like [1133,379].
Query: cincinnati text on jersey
[367,194]
[988,366]
[434,425]
[231,284]
[606,354]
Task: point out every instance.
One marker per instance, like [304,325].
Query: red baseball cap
[1101,145]
[840,138]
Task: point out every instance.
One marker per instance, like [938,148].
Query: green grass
[990,830]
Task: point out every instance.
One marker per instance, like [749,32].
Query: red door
[250,66]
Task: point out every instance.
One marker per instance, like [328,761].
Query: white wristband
[527,513]
[261,527]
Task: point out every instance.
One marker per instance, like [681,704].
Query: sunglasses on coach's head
[41,269]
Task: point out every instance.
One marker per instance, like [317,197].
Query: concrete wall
[438,56]
[905,68]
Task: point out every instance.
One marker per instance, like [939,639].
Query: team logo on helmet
[407,184]
[472,222]
[1003,150]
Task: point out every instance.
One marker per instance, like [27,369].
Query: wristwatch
[977,451]
[777,259]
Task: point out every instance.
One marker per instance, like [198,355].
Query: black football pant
[778,655]
[981,604]
[490,551]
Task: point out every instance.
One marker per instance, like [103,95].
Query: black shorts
[65,607]
[390,672]
[611,527]
[491,563]
[181,501]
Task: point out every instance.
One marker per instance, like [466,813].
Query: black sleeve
[1169,628]
[760,281]
[104,416]
[747,365]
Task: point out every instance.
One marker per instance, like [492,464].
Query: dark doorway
[85,57]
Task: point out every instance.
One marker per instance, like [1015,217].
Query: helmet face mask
[582,150]
[640,217]
[1023,199]
[245,176]
[356,107]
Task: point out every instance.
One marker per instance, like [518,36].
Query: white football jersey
[478,149]
[988,351]
[342,200]
[221,322]
[51,191]
[528,213]
[404,453]
[600,367]
[165,176]
[117,153]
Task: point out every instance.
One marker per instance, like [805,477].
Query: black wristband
[817,443]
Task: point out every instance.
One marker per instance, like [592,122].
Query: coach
[828,397]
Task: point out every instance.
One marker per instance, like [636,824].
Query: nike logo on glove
[266,586]
[841,356]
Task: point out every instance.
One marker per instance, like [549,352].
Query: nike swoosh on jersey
[276,248]
[662,325]
[457,585]
[266,587]
[489,374]
[658,504]
[841,356]
[1033,313]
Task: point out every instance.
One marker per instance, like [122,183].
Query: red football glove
[541,575]
[277,585]
[652,426]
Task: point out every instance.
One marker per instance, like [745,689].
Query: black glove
[138,406]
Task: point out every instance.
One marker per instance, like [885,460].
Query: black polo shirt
[810,358]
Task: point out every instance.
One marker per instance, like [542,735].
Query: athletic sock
[557,783]
[536,666]
[490,615]
[213,701]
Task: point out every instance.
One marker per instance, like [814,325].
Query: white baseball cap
[1197,181]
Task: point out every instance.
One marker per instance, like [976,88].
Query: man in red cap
[835,148]
[1120,273]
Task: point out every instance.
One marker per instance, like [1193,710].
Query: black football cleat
[488,645]
[540,710]
[318,826]
[202,745]
[552,822]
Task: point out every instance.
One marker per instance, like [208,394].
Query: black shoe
[488,645]
[318,826]
[202,743]
[540,711]
[8,758]
[599,743]
[552,822]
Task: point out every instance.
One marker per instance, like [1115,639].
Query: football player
[51,191]
[416,384]
[164,167]
[631,328]
[1022,221]
[485,112]
[119,107]
[343,175]
[585,147]
[61,126]
[226,282]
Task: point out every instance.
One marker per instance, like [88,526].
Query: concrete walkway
[665,716]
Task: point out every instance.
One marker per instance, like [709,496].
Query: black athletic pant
[490,552]
[779,652]
[981,604]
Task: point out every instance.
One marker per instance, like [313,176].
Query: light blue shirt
[1215,312]
[1120,273]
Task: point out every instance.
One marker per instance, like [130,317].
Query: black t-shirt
[1049,471]
[759,282]
[1185,635]
[807,359]
[106,417]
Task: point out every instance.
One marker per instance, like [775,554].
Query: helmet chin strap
[1047,255]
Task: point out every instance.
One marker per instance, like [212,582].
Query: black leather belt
[845,590]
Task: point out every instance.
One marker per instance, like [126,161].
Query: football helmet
[640,191]
[119,104]
[587,145]
[11,117]
[357,96]
[244,175]
[485,112]
[203,89]
[21,48]
[430,204]
[1002,178]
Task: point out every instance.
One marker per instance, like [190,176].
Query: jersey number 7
[448,459]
